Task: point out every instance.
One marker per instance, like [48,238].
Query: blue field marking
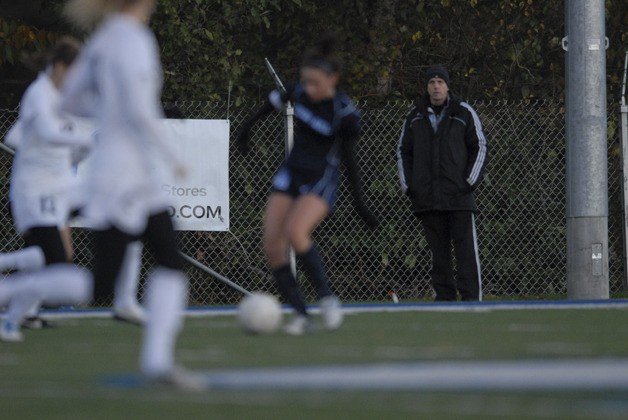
[353,308]
[123,381]
[528,375]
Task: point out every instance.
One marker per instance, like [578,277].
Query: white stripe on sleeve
[402,175]
[481,157]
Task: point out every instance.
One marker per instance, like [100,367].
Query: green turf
[57,373]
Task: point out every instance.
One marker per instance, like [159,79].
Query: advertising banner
[200,202]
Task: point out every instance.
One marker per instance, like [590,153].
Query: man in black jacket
[442,154]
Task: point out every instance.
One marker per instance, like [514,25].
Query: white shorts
[38,210]
[127,207]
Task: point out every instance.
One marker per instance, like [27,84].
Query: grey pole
[289,124]
[289,139]
[214,274]
[623,122]
[587,180]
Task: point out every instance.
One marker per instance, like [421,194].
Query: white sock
[21,302]
[126,285]
[31,258]
[11,285]
[34,310]
[165,301]
[55,285]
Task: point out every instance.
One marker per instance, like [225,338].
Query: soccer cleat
[10,332]
[179,378]
[132,313]
[35,323]
[332,312]
[299,325]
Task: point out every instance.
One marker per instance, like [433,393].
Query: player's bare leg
[309,211]
[276,243]
[66,238]
[277,248]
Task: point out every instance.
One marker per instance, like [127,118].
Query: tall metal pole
[623,124]
[289,125]
[587,170]
[289,138]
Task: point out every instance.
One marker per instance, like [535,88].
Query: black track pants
[442,229]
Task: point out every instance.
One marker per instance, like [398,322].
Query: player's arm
[477,150]
[405,154]
[49,127]
[350,133]
[14,135]
[276,101]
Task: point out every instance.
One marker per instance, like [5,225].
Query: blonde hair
[87,14]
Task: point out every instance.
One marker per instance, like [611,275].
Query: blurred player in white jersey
[41,183]
[117,79]
[44,189]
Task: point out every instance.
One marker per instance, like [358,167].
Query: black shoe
[36,323]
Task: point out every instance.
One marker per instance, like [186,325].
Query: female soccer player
[44,189]
[304,189]
[118,79]
[41,182]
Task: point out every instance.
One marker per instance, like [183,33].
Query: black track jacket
[439,171]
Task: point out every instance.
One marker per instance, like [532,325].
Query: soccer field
[484,361]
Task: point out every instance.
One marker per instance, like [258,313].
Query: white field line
[378,307]
[537,375]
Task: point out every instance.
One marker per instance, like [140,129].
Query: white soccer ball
[259,313]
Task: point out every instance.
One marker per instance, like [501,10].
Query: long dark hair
[323,55]
[64,51]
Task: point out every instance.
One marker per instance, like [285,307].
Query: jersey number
[47,204]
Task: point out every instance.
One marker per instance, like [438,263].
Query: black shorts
[297,183]
[110,247]
[48,238]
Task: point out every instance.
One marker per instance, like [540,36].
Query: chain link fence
[521,227]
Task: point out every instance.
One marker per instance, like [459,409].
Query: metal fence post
[288,115]
[623,121]
[587,163]
[289,128]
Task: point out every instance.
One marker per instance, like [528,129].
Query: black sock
[289,289]
[312,264]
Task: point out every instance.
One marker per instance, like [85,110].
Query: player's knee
[83,289]
[299,238]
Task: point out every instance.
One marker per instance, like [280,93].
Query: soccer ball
[259,313]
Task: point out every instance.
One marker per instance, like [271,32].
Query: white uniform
[117,79]
[42,181]
[42,178]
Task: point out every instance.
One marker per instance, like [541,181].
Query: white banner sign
[201,200]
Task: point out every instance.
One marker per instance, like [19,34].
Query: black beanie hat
[437,70]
